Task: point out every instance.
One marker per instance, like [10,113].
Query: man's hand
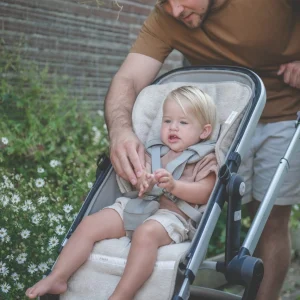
[127,155]
[291,73]
[164,179]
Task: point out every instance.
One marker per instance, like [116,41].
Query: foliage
[48,150]
[295,218]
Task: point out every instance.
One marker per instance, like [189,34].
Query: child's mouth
[173,138]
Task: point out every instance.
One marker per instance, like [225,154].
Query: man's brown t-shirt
[256,34]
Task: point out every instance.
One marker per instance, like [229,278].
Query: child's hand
[145,183]
[164,179]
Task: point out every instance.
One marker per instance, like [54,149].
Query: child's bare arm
[192,192]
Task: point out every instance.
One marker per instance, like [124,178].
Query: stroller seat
[98,277]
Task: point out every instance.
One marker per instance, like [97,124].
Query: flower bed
[49,145]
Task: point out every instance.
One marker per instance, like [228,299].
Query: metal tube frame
[244,257]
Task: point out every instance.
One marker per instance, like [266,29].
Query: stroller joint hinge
[236,158]
[247,271]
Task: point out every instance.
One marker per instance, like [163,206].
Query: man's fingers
[295,77]
[287,75]
[281,69]
[135,161]
[141,154]
[127,169]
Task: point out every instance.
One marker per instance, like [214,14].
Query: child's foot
[50,285]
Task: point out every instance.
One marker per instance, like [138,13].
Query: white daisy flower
[17,177]
[39,182]
[28,205]
[100,113]
[67,208]
[15,208]
[5,287]
[60,229]
[40,170]
[50,261]
[90,184]
[7,183]
[53,242]
[25,234]
[54,163]
[7,239]
[15,199]
[97,136]
[4,271]
[32,268]
[69,218]
[9,257]
[4,140]
[15,276]
[4,200]
[21,258]
[3,233]
[43,267]
[36,219]
[20,286]
[42,200]
[3,267]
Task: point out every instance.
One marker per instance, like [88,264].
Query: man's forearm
[118,103]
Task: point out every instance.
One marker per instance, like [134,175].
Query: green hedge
[49,145]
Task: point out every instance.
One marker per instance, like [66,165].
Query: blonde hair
[201,103]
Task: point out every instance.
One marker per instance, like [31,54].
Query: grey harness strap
[138,210]
[176,167]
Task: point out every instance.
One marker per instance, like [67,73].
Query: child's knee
[148,232]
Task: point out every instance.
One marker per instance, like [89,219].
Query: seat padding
[98,277]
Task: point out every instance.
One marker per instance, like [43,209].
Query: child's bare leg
[99,226]
[141,259]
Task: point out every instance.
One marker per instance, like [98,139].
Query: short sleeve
[206,166]
[152,40]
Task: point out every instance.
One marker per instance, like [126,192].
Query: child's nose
[174,126]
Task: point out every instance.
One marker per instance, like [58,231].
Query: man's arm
[126,151]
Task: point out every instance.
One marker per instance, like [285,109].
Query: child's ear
[206,132]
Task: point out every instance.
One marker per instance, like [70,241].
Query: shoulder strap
[191,155]
[176,168]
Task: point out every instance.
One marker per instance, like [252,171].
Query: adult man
[263,35]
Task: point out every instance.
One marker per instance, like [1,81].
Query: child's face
[180,130]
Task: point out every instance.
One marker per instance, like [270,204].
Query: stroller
[240,98]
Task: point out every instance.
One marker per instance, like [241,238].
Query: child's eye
[167,121]
[183,122]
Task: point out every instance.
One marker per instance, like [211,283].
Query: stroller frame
[239,267]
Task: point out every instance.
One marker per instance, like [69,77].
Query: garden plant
[49,146]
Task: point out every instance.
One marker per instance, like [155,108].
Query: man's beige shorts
[178,229]
[268,146]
